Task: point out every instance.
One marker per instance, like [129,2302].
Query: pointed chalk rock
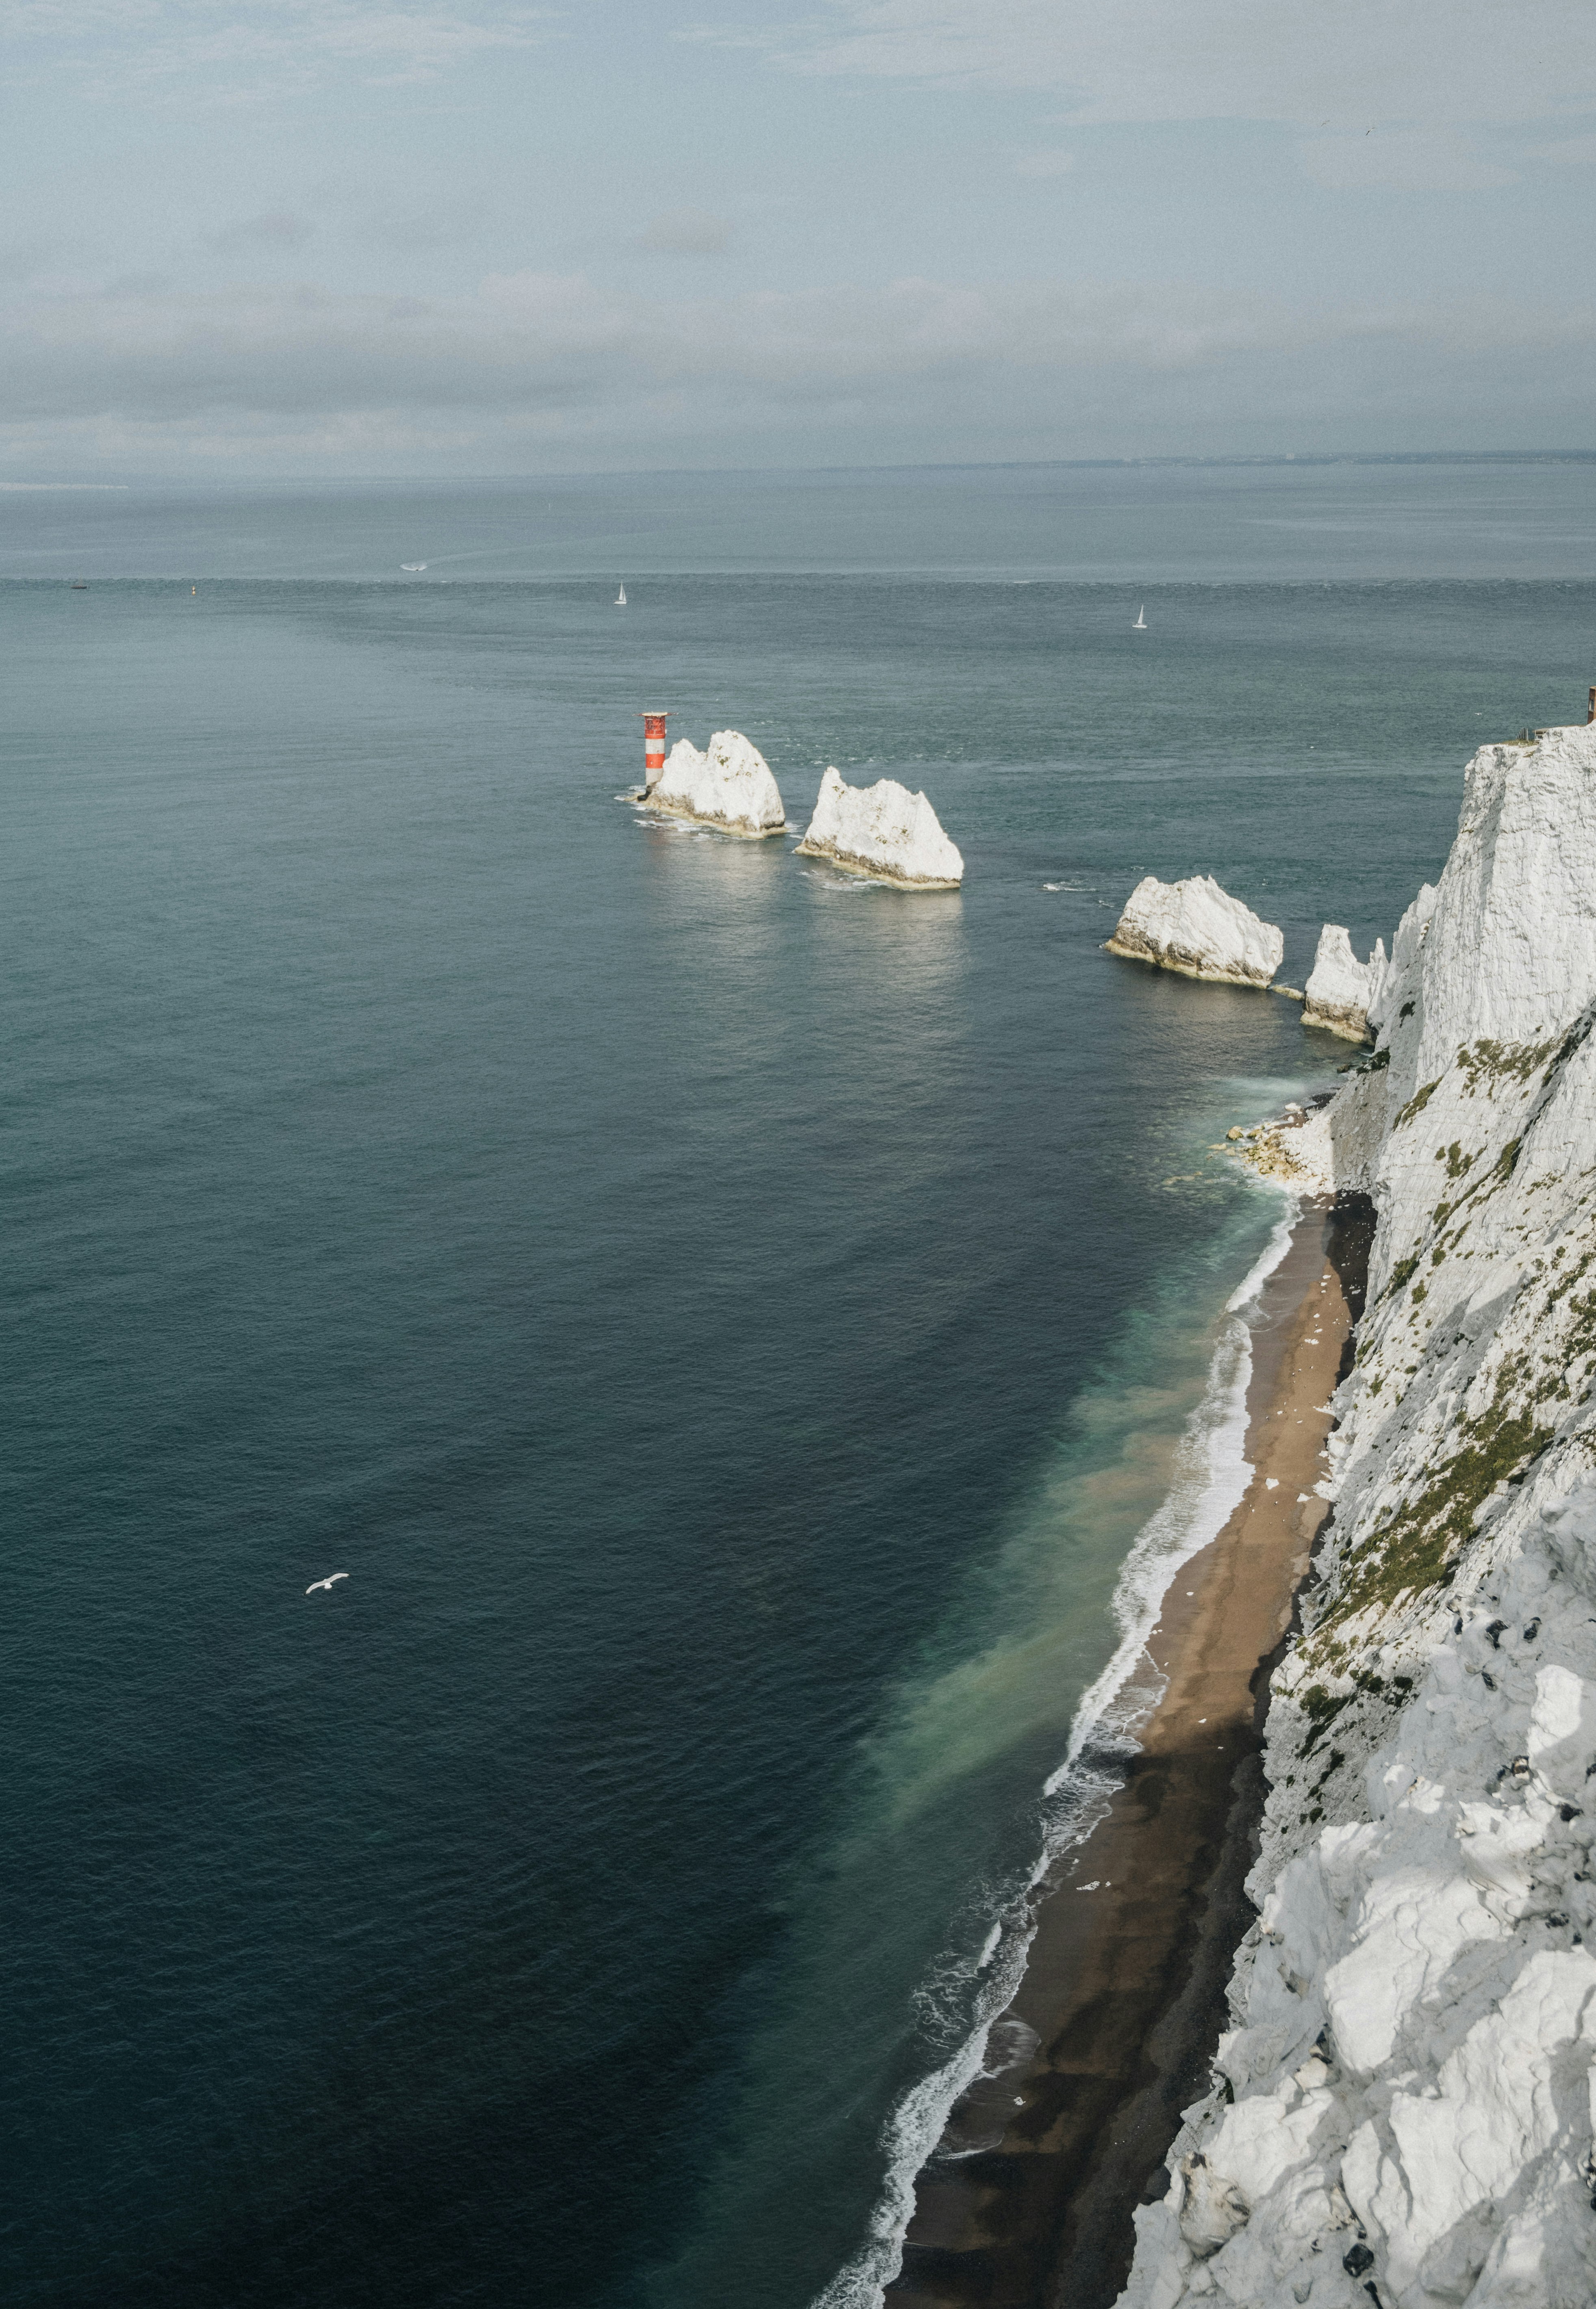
[882,831]
[1341,987]
[729,788]
[1195,927]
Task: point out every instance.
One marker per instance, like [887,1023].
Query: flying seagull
[327,1582]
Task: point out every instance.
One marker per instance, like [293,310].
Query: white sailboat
[1141,625]
[620,599]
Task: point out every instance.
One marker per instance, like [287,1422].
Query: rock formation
[882,831]
[1404,2103]
[1339,987]
[729,788]
[1196,928]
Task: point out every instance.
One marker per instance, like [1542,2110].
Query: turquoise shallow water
[729,1323]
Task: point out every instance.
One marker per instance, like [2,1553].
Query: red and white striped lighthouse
[653,750]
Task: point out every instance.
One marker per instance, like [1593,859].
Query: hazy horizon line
[919,465]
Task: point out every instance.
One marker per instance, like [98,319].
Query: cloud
[253,48]
[1057,163]
[531,341]
[448,225]
[527,358]
[1405,159]
[279,228]
[23,260]
[139,285]
[688,232]
[1349,66]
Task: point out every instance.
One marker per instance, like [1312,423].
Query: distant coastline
[267,482]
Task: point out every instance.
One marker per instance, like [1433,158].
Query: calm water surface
[729,1323]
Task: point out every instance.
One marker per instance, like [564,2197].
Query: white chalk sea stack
[729,788]
[882,831]
[1406,2096]
[1196,928]
[1339,987]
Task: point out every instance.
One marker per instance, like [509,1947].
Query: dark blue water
[729,1323]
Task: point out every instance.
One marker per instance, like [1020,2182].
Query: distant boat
[1141,625]
[78,586]
[412,567]
[620,599]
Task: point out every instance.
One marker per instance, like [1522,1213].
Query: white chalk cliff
[1339,987]
[1405,2101]
[1196,928]
[882,831]
[730,787]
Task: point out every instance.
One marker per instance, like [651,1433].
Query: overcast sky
[358,237]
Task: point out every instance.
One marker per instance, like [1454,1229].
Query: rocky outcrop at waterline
[1339,987]
[883,832]
[1198,929]
[730,787]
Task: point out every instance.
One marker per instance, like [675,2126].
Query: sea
[753,1343]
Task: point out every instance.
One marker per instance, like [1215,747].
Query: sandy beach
[1029,2200]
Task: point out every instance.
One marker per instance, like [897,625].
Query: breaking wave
[1210,1477]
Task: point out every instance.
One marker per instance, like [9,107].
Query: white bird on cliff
[326,1583]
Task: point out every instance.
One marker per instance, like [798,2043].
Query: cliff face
[1405,2102]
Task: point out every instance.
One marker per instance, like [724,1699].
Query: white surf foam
[1210,1476]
